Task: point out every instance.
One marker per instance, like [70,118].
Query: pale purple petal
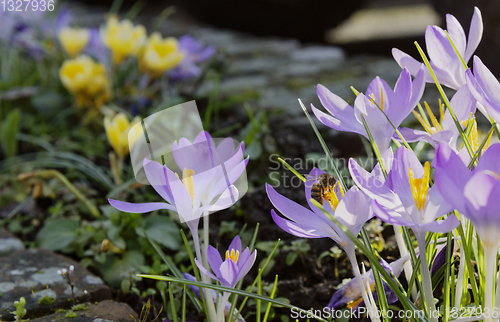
[235,244]
[299,229]
[247,265]
[157,177]
[229,273]
[204,270]
[441,226]
[139,208]
[337,107]
[450,176]
[475,34]
[456,33]
[353,210]
[490,160]
[337,124]
[406,61]
[390,216]
[293,211]
[214,260]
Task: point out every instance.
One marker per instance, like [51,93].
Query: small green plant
[71,315]
[46,300]
[297,249]
[20,311]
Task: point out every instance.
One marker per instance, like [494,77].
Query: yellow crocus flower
[76,73]
[117,131]
[87,80]
[160,55]
[123,38]
[74,40]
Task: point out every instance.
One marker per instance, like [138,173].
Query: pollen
[187,181]
[233,255]
[434,125]
[331,195]
[420,186]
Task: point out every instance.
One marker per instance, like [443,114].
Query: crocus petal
[235,244]
[371,185]
[157,177]
[229,273]
[475,34]
[390,216]
[139,208]
[441,226]
[417,90]
[406,61]
[353,210]
[441,259]
[412,135]
[226,200]
[399,106]
[482,193]
[297,229]
[339,108]
[214,260]
[380,128]
[243,257]
[204,270]
[490,159]
[337,124]
[245,268]
[456,33]
[306,221]
[450,176]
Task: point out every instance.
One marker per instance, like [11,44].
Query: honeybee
[324,184]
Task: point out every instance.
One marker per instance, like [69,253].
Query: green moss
[80,307]
[60,310]
[71,315]
[46,300]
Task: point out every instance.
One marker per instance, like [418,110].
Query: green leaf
[161,230]
[58,234]
[116,269]
[10,128]
[291,258]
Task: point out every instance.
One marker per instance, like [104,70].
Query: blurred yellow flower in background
[117,131]
[160,55]
[74,40]
[123,38]
[87,80]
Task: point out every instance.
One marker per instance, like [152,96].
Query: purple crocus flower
[351,209]
[204,186]
[231,270]
[444,60]
[396,104]
[350,295]
[485,87]
[227,305]
[444,128]
[475,194]
[195,52]
[405,198]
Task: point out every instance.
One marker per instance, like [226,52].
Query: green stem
[426,277]
[490,261]
[357,274]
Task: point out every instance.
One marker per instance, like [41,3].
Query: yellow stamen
[441,111]
[433,118]
[381,99]
[353,304]
[187,181]
[420,186]
[331,196]
[426,126]
[473,136]
[234,255]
